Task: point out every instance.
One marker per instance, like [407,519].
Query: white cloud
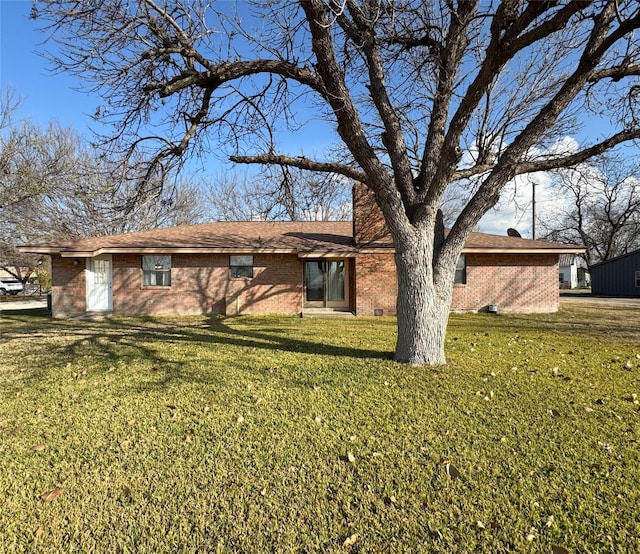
[515,207]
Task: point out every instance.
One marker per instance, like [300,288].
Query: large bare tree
[407,87]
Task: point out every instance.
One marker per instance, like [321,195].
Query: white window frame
[461,271]
[156,271]
[241,266]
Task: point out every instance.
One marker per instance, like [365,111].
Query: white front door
[99,284]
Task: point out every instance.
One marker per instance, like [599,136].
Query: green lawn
[280,434]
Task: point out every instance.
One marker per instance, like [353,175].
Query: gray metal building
[617,277]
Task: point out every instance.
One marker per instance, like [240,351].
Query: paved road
[22,305]
[582,297]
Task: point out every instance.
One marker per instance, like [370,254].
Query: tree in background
[54,186]
[280,193]
[602,209]
[407,87]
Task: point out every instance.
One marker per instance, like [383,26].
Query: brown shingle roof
[246,236]
[483,242]
[319,237]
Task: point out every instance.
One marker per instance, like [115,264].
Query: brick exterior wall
[369,226]
[68,289]
[513,282]
[376,285]
[525,283]
[199,284]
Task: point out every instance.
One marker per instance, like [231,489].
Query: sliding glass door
[326,283]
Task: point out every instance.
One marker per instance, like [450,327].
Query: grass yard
[279,434]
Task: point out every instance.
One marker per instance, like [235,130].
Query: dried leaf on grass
[39,447]
[350,541]
[51,495]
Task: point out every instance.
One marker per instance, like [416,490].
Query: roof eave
[494,250]
[39,249]
[330,253]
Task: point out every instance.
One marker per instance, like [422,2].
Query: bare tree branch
[302,163]
[420,94]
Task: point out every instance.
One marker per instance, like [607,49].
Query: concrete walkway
[12,305]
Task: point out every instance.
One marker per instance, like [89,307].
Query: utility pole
[533,210]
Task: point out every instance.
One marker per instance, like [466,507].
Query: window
[156,271]
[461,271]
[637,278]
[241,266]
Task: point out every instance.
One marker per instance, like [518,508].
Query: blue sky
[45,95]
[50,96]
[54,96]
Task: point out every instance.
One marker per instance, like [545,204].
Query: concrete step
[327,312]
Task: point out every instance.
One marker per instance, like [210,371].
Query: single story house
[285,267]
[618,276]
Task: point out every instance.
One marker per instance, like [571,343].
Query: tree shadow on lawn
[112,341]
[621,322]
[278,338]
[219,331]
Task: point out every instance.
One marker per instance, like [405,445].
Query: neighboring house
[584,276]
[568,271]
[618,276]
[285,267]
[573,273]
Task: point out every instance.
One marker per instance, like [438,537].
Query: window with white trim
[156,271]
[461,271]
[637,278]
[241,267]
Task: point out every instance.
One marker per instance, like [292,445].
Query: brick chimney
[369,227]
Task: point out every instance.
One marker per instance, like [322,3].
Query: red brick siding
[276,286]
[369,226]
[351,262]
[376,284]
[518,283]
[196,282]
[521,283]
[199,284]
[68,289]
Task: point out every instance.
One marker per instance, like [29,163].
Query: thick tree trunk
[423,305]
